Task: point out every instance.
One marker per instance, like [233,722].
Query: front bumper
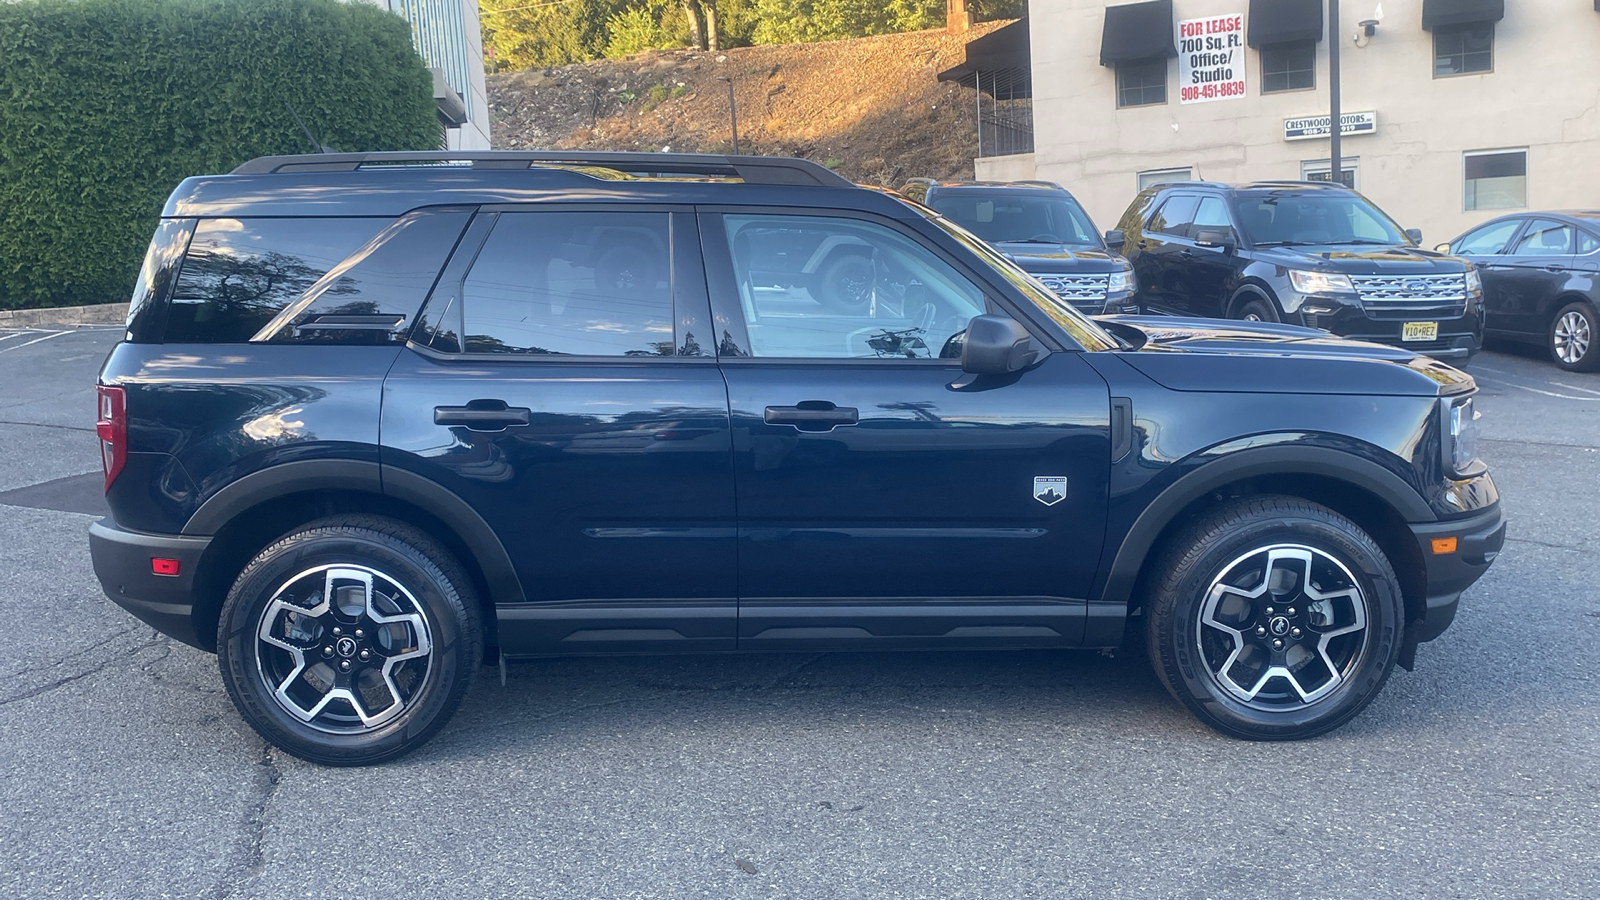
[1478,540]
[1460,334]
[122,562]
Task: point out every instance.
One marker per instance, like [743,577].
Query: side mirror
[1216,238]
[1115,239]
[1415,235]
[1441,248]
[996,345]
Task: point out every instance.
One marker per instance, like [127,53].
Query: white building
[447,37]
[1455,110]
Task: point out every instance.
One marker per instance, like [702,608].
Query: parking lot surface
[125,772]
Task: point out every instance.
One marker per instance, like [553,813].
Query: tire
[1212,645]
[1254,308]
[1574,338]
[404,628]
[846,282]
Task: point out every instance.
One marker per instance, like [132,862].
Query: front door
[562,384]
[884,497]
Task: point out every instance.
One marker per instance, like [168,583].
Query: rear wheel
[1275,619]
[1575,338]
[351,641]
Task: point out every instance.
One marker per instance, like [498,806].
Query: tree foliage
[105,105]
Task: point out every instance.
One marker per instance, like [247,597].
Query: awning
[1283,21]
[1137,31]
[1461,12]
[1001,49]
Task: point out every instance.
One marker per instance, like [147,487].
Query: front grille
[1077,289]
[1405,296]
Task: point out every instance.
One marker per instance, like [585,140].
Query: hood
[1362,259]
[1254,357]
[1046,258]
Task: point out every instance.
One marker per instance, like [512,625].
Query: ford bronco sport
[381,418]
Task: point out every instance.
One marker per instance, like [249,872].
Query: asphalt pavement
[125,772]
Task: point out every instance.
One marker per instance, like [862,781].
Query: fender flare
[1321,461]
[367,477]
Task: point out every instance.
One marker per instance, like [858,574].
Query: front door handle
[483,415]
[812,415]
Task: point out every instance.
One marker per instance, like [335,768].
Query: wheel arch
[1374,498]
[251,513]
[1248,290]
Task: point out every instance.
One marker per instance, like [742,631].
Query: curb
[99,314]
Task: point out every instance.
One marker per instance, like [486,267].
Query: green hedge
[105,105]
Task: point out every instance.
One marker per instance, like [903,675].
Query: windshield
[1323,218]
[1083,329]
[1018,218]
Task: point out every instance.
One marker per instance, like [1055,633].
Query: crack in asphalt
[47,425]
[1521,443]
[62,682]
[253,860]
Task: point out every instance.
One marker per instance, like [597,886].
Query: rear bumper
[1478,541]
[122,563]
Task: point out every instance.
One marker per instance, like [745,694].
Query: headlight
[1320,282]
[1462,449]
[1474,282]
[1121,282]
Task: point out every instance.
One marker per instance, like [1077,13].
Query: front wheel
[351,641]
[1275,619]
[1573,338]
[1256,309]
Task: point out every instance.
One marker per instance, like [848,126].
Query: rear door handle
[812,415]
[1555,268]
[483,415]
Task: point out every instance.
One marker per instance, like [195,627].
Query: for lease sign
[1211,58]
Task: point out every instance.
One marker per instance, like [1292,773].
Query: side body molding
[1257,461]
[303,476]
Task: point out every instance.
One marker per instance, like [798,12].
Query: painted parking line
[46,337]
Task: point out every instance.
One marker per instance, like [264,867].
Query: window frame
[1461,29]
[1470,154]
[1137,176]
[1151,63]
[728,315]
[1283,46]
[687,287]
[1351,164]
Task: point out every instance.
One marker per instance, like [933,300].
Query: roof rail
[1036,182]
[750,169]
[1301,182]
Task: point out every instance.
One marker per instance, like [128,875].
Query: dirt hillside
[870,108]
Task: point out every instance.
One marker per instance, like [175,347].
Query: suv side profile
[381,418]
[1308,253]
[1041,227]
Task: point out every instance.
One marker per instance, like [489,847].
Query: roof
[1253,186]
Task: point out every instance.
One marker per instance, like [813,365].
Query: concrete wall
[1542,95]
[1016,167]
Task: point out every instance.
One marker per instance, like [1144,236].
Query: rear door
[562,383]
[885,498]
[1161,271]
[1532,274]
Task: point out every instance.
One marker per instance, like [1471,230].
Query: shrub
[105,105]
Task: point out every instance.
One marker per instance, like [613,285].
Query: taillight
[112,428]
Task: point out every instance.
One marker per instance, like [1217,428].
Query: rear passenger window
[571,283]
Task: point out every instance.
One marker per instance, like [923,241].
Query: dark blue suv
[381,418]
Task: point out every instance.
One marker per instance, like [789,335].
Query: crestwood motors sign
[1317,126]
[1211,59]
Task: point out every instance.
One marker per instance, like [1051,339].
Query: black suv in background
[381,417]
[1044,230]
[1307,253]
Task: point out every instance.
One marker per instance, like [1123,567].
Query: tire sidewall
[1186,669]
[450,667]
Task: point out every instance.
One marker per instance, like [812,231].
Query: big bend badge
[1049,489]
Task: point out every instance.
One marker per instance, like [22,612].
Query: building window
[1288,67]
[1164,176]
[1463,49]
[1496,180]
[1322,170]
[1142,82]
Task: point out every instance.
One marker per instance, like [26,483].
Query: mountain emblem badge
[1050,489]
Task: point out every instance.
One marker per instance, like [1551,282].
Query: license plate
[1419,331]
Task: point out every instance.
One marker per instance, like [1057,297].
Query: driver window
[813,287]
[1489,240]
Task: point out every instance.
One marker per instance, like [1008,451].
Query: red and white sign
[1211,59]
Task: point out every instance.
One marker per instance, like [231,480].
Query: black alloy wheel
[847,283]
[1575,338]
[1274,619]
[350,641]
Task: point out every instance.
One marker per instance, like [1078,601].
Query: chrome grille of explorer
[1400,296]
[1077,288]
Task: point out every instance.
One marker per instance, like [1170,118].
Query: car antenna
[321,147]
